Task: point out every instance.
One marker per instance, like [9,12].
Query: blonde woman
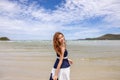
[61,69]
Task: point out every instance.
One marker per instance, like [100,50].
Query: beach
[33,60]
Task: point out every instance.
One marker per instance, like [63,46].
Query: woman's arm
[59,64]
[70,61]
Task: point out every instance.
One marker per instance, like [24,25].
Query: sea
[33,60]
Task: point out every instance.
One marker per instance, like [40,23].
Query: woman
[61,69]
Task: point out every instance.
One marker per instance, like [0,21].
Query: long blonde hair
[56,43]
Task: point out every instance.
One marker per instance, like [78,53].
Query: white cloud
[71,11]
[7,6]
[30,20]
[81,32]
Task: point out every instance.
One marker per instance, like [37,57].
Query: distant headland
[105,37]
[4,39]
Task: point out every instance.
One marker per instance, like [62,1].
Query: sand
[34,60]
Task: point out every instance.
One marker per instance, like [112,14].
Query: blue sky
[40,19]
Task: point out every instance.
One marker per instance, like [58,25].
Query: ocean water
[33,60]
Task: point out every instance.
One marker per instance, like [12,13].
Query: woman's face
[61,38]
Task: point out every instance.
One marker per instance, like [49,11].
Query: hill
[106,37]
[4,39]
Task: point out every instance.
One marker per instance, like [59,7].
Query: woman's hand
[70,61]
[55,77]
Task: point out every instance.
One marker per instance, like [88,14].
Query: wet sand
[34,60]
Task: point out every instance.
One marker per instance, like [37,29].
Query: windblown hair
[56,43]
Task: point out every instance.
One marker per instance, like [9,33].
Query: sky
[76,19]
